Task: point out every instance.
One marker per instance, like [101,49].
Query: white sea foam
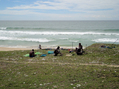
[3,28]
[55,33]
[73,41]
[25,39]
[64,38]
[106,40]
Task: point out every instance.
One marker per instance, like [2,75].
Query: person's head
[79,44]
[58,47]
[32,49]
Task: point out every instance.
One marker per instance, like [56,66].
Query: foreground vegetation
[97,68]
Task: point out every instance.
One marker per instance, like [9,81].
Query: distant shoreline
[48,48]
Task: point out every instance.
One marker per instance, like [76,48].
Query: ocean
[29,34]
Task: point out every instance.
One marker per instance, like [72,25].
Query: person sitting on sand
[39,46]
[79,50]
[57,51]
[31,54]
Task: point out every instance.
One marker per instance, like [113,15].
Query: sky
[59,9]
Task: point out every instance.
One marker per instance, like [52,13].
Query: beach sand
[35,48]
[12,49]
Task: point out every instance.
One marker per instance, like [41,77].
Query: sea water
[57,33]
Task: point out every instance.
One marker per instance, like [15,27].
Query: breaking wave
[3,28]
[55,33]
[106,40]
[25,39]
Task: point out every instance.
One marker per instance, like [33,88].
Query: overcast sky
[59,9]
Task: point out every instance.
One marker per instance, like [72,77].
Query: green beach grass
[97,68]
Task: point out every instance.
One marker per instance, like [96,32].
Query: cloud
[67,9]
[32,15]
[41,5]
[71,5]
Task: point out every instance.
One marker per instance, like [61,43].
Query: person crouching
[31,54]
[57,51]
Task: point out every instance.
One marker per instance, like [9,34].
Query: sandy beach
[12,49]
[43,47]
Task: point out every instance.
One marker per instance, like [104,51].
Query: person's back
[79,50]
[31,54]
[56,51]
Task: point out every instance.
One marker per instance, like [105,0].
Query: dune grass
[89,71]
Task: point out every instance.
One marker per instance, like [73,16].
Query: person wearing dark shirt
[57,51]
[31,54]
[79,50]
